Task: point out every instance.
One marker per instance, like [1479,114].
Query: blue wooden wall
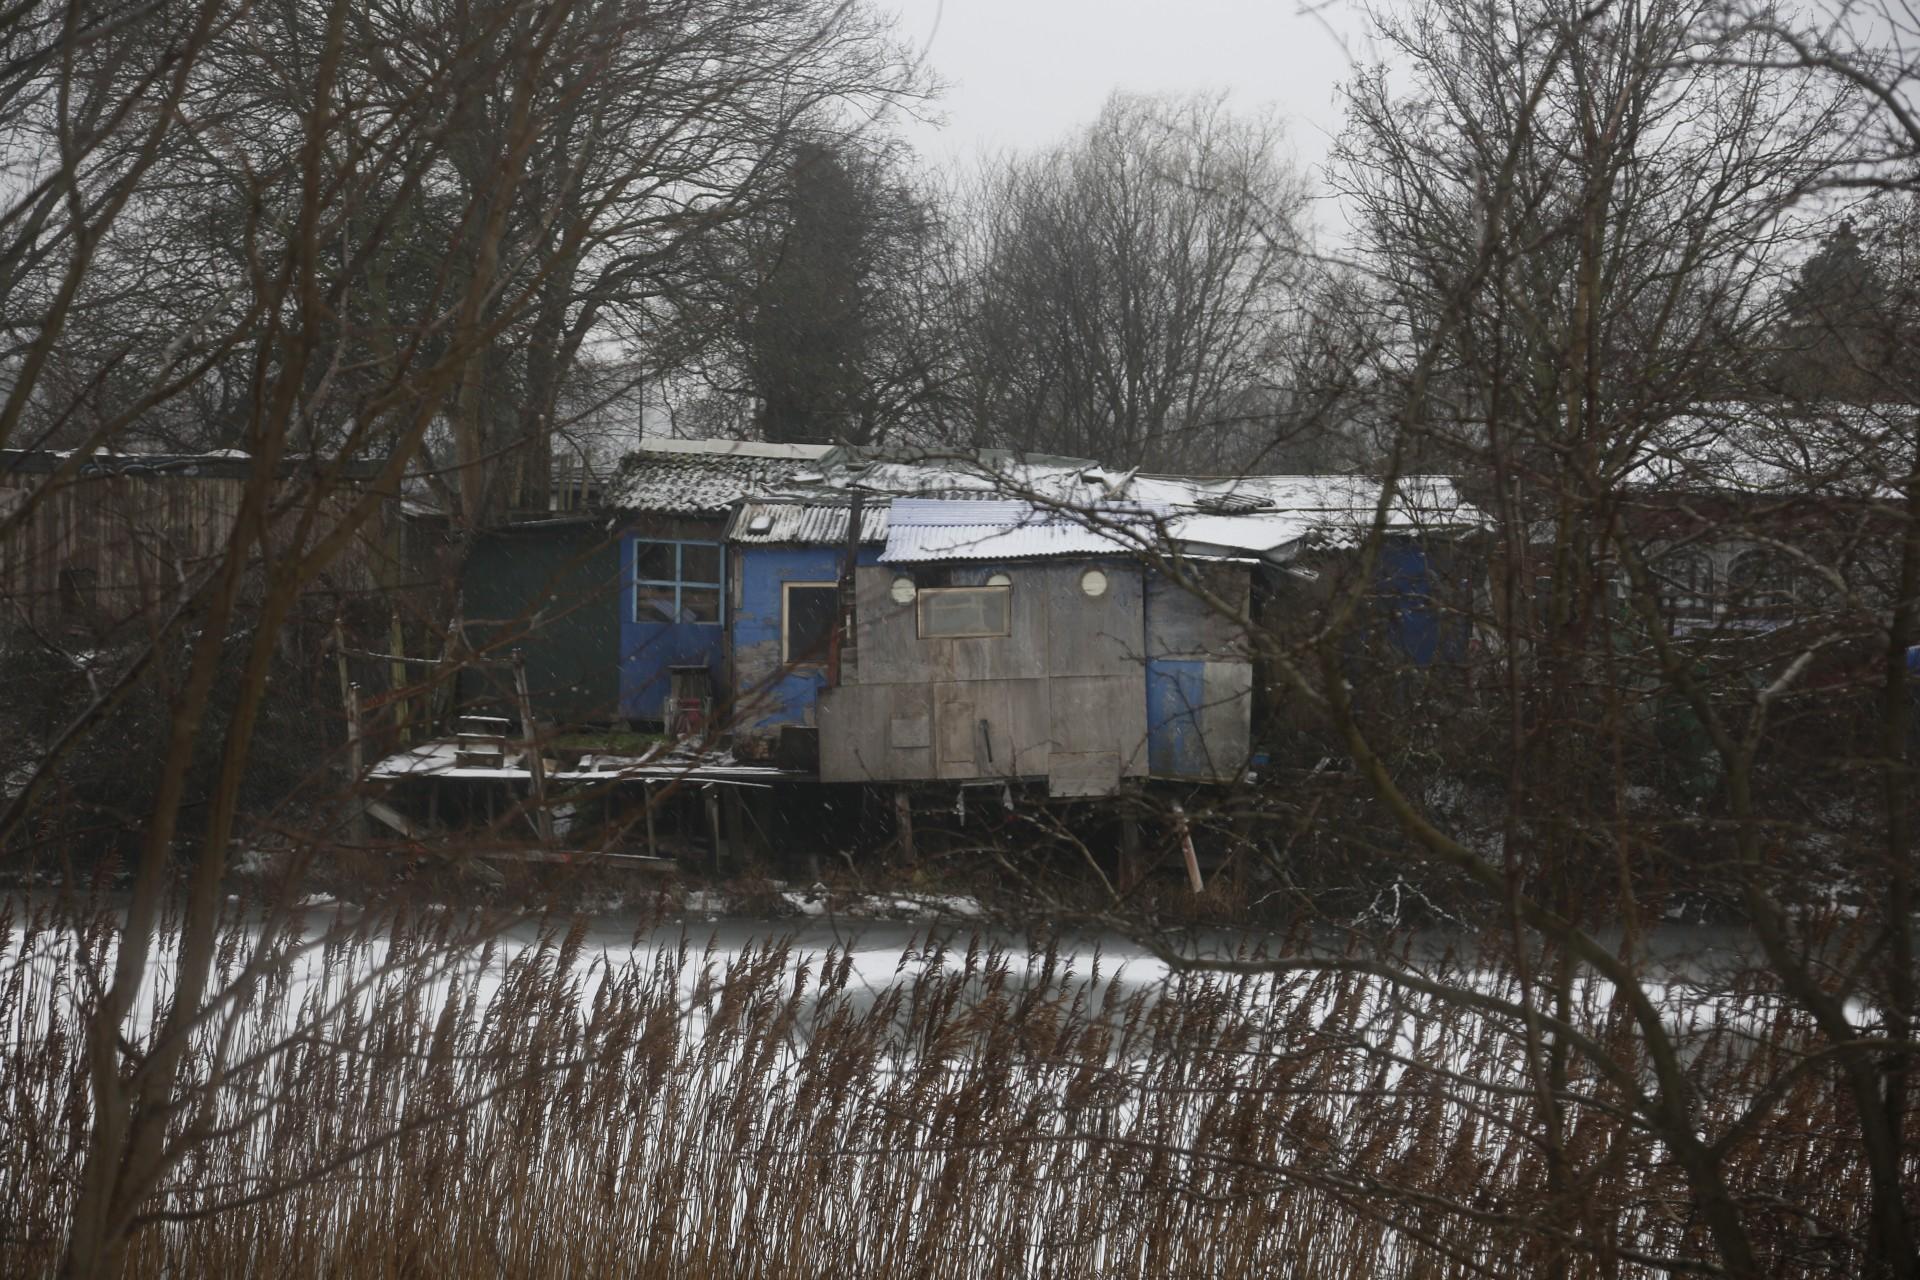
[648,649]
[769,693]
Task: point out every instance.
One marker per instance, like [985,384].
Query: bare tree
[1127,289]
[348,217]
[1581,220]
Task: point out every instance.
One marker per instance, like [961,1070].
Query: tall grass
[406,1099]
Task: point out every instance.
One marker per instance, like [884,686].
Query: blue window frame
[676,581]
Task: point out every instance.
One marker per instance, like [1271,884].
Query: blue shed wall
[647,649]
[1414,624]
[770,693]
[1176,691]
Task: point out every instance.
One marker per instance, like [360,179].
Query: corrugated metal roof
[1261,533]
[737,448]
[805,523]
[924,530]
[699,482]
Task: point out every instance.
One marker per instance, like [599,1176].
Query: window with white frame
[676,581]
[952,613]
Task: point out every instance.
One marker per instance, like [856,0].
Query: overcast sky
[1027,72]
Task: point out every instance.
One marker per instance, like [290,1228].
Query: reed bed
[407,1097]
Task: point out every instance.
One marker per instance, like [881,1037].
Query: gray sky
[1027,72]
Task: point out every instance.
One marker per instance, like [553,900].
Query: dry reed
[410,1099]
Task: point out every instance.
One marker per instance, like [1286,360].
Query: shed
[673,499]
[788,564]
[1000,639]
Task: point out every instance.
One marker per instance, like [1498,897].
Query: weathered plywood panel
[954,723]
[1101,713]
[1180,625]
[892,652]
[1094,635]
[1228,718]
[1030,720]
[1083,773]
[973,728]
[857,738]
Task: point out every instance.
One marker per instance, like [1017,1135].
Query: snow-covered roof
[736,448]
[986,473]
[925,530]
[706,477]
[1776,451]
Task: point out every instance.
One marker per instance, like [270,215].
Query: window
[808,611]
[948,613]
[676,582]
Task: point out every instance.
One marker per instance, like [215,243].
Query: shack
[1000,640]
[608,604]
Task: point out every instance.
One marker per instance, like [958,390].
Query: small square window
[700,562]
[653,603]
[654,562]
[948,613]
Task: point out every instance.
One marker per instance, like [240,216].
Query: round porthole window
[999,580]
[903,591]
[1094,583]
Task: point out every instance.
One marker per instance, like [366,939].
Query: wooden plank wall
[103,549]
[1064,694]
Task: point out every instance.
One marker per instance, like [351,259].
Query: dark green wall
[557,588]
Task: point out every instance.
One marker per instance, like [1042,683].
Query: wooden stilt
[903,822]
[397,675]
[713,826]
[646,789]
[356,764]
[530,735]
[1186,844]
[1129,869]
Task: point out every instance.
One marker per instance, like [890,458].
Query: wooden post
[1186,844]
[646,790]
[713,825]
[340,661]
[1129,869]
[536,768]
[397,675]
[842,637]
[903,822]
[356,762]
